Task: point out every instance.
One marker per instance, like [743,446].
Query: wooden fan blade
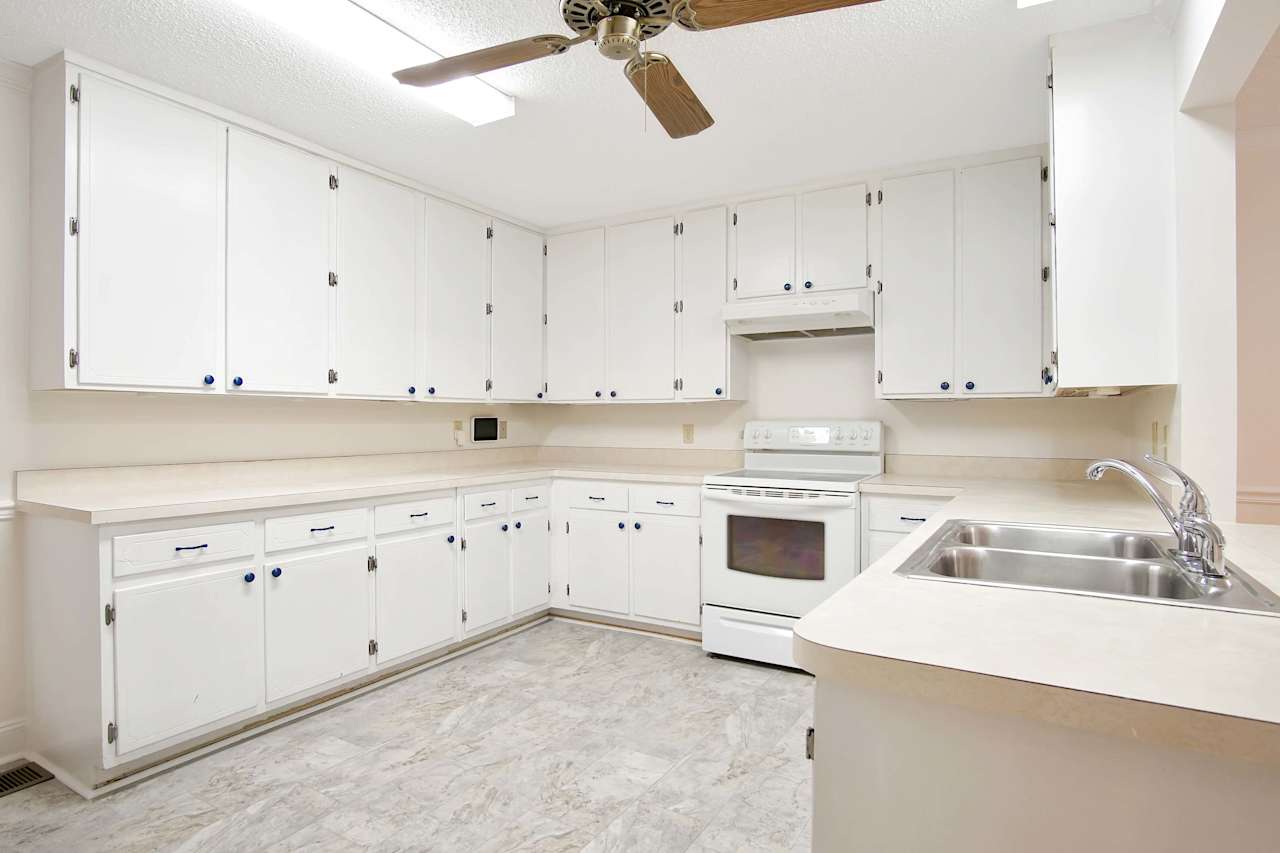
[670,99]
[487,59]
[714,14]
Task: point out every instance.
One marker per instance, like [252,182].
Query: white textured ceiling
[795,100]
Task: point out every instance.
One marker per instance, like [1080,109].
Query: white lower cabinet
[665,568]
[486,561]
[317,620]
[531,560]
[416,599]
[187,655]
[888,519]
[598,573]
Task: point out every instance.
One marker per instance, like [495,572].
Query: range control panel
[814,436]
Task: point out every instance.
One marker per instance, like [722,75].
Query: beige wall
[1258,289]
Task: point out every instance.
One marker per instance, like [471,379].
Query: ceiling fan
[619,28]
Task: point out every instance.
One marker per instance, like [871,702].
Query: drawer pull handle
[322,529]
[909,518]
[666,503]
[191,547]
[532,497]
[419,514]
[489,504]
[594,498]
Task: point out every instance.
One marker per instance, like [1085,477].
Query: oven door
[780,553]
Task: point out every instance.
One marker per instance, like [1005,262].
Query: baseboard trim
[1264,496]
[626,624]
[13,739]
[6,514]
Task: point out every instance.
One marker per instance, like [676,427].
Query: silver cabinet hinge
[488,385]
[879,377]
[544,319]
[488,308]
[566,527]
[675,384]
[1053,219]
[879,196]
[868,199]
[808,743]
[109,614]
[675,229]
[464,616]
[333,280]
[463,543]
[544,250]
[1048,81]
[735,282]
[74,94]
[548,587]
[73,358]
[566,589]
[735,217]
[73,226]
[1044,174]
[113,732]
[545,387]
[333,376]
[675,307]
[373,563]
[548,525]
[681,229]
[868,270]
[373,647]
[488,233]
[1053,358]
[1044,274]
[333,182]
[879,287]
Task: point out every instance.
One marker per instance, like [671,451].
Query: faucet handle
[1210,545]
[1194,501]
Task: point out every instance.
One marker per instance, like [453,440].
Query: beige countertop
[113,495]
[1214,661]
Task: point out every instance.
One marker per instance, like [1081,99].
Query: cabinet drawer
[530,497]
[597,496]
[410,515]
[168,549]
[894,514]
[880,543]
[484,505]
[316,528]
[666,500]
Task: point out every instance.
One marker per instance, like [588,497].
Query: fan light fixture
[358,35]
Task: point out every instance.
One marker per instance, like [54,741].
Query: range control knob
[768,434]
[839,434]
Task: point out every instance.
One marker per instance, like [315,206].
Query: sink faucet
[1200,542]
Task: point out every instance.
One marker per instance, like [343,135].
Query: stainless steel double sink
[1083,561]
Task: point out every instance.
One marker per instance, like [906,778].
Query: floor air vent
[21,774]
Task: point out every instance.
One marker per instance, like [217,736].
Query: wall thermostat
[488,429]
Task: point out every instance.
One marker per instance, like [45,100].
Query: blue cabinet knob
[786,286]
[208,379]
[808,285]
[277,572]
[431,390]
[613,393]
[451,538]
[413,390]
[946,386]
[637,525]
[719,391]
[622,525]
[504,528]
[539,395]
[238,381]
[249,576]
[597,393]
[968,386]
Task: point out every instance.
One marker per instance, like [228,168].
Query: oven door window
[777,547]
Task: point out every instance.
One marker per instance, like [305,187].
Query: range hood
[847,312]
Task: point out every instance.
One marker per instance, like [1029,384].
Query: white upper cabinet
[704,345]
[280,211]
[765,247]
[457,299]
[833,238]
[640,300]
[516,322]
[376,342]
[1001,303]
[151,239]
[915,331]
[575,316]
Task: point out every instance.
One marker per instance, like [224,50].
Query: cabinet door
[765,245]
[833,238]
[1001,291]
[531,560]
[152,182]
[457,294]
[666,568]
[378,227]
[704,342]
[279,255]
[916,327]
[516,327]
[598,560]
[575,315]
[188,652]
[317,620]
[487,573]
[640,296]
[417,594]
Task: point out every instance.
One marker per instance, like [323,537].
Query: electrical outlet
[687,433]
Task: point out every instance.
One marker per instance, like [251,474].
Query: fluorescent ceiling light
[346,29]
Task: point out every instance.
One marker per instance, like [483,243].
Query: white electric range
[781,535]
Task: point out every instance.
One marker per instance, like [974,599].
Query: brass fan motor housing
[617,37]
[583,16]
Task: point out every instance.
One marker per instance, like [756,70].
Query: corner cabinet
[963,307]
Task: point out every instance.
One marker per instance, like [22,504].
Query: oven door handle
[825,500]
